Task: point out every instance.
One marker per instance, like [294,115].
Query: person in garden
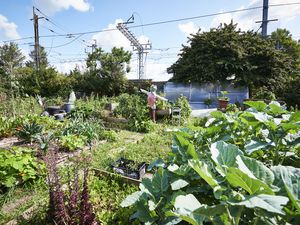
[151,99]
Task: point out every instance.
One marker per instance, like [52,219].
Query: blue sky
[73,16]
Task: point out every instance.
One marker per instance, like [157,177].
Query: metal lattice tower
[137,46]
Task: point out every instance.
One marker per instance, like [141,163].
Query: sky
[97,20]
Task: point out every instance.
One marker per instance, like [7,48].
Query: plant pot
[128,168]
[53,110]
[223,104]
[68,107]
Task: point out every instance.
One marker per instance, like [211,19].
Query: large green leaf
[255,169]
[288,178]
[237,178]
[204,172]
[179,170]
[131,199]
[144,214]
[253,146]
[295,117]
[209,211]
[224,155]
[261,117]
[184,206]
[258,105]
[184,148]
[276,110]
[160,181]
[271,203]
[178,184]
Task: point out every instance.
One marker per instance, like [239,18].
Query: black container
[53,110]
[129,168]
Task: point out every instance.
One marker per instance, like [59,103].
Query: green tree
[11,58]
[285,42]
[106,75]
[287,45]
[42,56]
[226,51]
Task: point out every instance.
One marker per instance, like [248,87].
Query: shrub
[183,103]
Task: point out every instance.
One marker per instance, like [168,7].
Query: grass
[136,146]
[19,199]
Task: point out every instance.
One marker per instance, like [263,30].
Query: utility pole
[264,22]
[137,46]
[36,38]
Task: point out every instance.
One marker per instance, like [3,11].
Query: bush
[134,108]
[183,103]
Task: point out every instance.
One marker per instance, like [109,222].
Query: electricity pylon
[137,46]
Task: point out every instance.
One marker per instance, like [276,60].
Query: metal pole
[264,25]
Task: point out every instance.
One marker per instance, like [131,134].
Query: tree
[287,45]
[106,75]
[285,42]
[225,52]
[11,58]
[42,56]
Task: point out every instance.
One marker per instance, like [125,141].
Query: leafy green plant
[6,127]
[263,93]
[208,102]
[225,187]
[231,108]
[184,105]
[72,142]
[44,140]
[134,108]
[28,131]
[109,135]
[224,96]
[18,165]
[220,174]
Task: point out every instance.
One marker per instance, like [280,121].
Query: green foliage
[263,93]
[6,127]
[184,105]
[11,58]
[109,78]
[231,108]
[224,96]
[17,166]
[222,174]
[134,108]
[225,51]
[71,142]
[208,102]
[106,194]
[29,131]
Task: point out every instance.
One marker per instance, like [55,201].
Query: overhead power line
[160,22]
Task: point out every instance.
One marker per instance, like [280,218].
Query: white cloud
[52,6]
[188,28]
[9,29]
[114,38]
